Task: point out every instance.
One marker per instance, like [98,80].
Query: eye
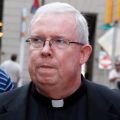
[60,41]
[36,40]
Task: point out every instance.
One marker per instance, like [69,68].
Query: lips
[46,70]
[46,66]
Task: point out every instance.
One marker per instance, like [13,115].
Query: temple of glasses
[77,43]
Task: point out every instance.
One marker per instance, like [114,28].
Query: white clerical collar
[57,103]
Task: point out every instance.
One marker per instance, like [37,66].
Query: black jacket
[103,103]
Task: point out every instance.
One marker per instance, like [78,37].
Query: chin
[46,81]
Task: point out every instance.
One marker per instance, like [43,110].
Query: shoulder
[4,78]
[6,62]
[112,72]
[104,93]
[14,95]
[5,82]
[102,89]
[3,74]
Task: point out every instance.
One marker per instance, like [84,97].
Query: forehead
[51,16]
[55,22]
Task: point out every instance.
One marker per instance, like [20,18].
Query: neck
[56,92]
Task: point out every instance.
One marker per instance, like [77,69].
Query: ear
[85,52]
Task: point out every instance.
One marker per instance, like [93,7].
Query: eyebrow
[37,37]
[52,37]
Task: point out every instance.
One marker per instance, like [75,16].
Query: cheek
[72,63]
[69,60]
[32,58]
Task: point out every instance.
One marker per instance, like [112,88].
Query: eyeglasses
[56,43]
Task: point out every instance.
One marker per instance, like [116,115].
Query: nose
[46,50]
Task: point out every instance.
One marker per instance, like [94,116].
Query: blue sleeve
[5,82]
[9,85]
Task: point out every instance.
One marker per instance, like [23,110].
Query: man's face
[117,67]
[51,67]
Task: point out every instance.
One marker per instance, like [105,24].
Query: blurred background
[103,19]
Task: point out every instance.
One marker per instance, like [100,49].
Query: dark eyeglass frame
[51,42]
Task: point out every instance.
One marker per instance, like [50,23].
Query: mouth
[46,70]
[46,66]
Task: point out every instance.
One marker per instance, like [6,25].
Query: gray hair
[58,7]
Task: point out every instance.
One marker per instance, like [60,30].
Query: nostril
[45,53]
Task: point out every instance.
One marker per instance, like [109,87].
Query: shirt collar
[61,102]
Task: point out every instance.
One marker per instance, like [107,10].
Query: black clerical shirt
[74,108]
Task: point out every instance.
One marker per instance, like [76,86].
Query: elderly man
[114,75]
[58,47]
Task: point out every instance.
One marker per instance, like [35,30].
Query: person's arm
[9,85]
[113,79]
[5,82]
